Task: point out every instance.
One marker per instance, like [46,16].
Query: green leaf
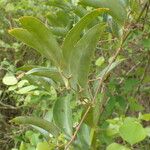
[39,80]
[62,114]
[43,146]
[115,146]
[132,131]
[26,89]
[9,79]
[146,43]
[109,68]
[39,37]
[147,129]
[74,34]
[82,54]
[145,117]
[83,137]
[117,8]
[52,73]
[46,125]
[100,61]
[22,146]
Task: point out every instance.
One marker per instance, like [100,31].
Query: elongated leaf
[39,80]
[108,69]
[52,73]
[74,35]
[82,54]
[62,114]
[117,8]
[46,125]
[83,137]
[38,36]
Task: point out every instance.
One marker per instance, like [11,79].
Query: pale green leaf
[42,146]
[100,61]
[25,90]
[9,79]
[147,129]
[115,146]
[145,117]
[132,131]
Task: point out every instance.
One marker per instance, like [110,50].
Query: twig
[78,128]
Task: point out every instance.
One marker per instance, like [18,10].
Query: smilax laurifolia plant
[71,69]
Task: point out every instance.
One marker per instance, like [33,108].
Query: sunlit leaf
[115,146]
[132,131]
[9,79]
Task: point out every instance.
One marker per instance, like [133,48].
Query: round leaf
[132,131]
[9,79]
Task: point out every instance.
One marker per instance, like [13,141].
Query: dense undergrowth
[76,75]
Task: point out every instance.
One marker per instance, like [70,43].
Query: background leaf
[132,131]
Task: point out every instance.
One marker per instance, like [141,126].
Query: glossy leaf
[115,146]
[74,34]
[46,125]
[39,37]
[62,114]
[132,131]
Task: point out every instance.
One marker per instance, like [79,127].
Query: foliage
[90,89]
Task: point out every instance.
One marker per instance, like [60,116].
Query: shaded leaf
[62,114]
[82,54]
[46,125]
[52,73]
